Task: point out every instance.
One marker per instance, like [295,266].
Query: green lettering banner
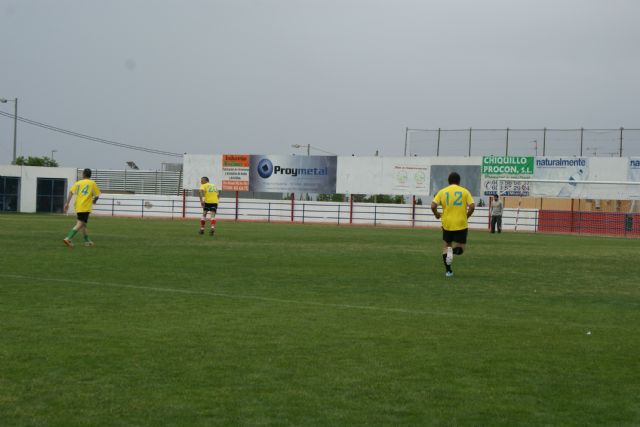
[507,165]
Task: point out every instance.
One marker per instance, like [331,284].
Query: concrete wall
[29,181]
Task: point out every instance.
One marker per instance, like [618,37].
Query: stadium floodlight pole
[15,124]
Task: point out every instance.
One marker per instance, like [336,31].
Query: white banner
[634,169]
[405,175]
[570,169]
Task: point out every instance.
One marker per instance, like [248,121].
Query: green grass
[278,324]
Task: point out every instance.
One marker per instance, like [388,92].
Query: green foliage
[36,161]
[378,198]
[280,324]
[331,197]
[384,198]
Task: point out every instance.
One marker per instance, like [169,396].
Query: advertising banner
[291,174]
[568,169]
[235,172]
[469,177]
[496,170]
[404,175]
[359,175]
[634,169]
[633,175]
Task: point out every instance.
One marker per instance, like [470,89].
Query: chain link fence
[523,142]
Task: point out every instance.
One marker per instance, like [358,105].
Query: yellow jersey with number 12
[85,190]
[454,201]
[210,192]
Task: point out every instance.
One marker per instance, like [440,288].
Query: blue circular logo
[265,168]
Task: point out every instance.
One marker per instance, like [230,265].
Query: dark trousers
[496,220]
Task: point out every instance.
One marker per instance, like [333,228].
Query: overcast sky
[346,76]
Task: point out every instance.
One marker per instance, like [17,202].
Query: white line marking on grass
[461,315]
[220,294]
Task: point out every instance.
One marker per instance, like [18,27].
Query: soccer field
[280,324]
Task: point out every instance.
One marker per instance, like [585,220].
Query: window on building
[50,195]
[9,193]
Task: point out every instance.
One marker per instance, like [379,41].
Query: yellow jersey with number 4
[209,192]
[454,201]
[85,190]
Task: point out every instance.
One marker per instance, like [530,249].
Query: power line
[91,138]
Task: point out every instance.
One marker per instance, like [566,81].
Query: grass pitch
[278,324]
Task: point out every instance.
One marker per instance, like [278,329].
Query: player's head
[454,178]
[204,180]
[496,197]
[86,173]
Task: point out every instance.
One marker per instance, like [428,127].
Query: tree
[36,161]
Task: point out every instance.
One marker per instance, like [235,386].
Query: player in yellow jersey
[209,201]
[87,194]
[457,206]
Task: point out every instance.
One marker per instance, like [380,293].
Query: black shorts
[83,216]
[210,207]
[458,236]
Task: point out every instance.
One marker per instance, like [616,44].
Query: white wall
[29,181]
[195,166]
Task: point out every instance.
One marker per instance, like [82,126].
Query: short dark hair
[495,195]
[206,178]
[454,178]
[86,173]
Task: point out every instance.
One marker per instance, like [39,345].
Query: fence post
[413,212]
[406,136]
[339,214]
[469,142]
[142,214]
[351,209]
[621,131]
[581,140]
[506,148]
[544,141]
[438,146]
[293,198]
[237,204]
[113,207]
[184,203]
[375,214]
[269,213]
[303,205]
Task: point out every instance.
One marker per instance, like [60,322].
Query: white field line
[461,315]
[219,294]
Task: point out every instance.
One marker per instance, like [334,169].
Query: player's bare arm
[470,209]
[434,209]
[66,204]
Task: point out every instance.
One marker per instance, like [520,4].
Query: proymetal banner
[309,174]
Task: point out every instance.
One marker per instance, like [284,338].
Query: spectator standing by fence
[496,214]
